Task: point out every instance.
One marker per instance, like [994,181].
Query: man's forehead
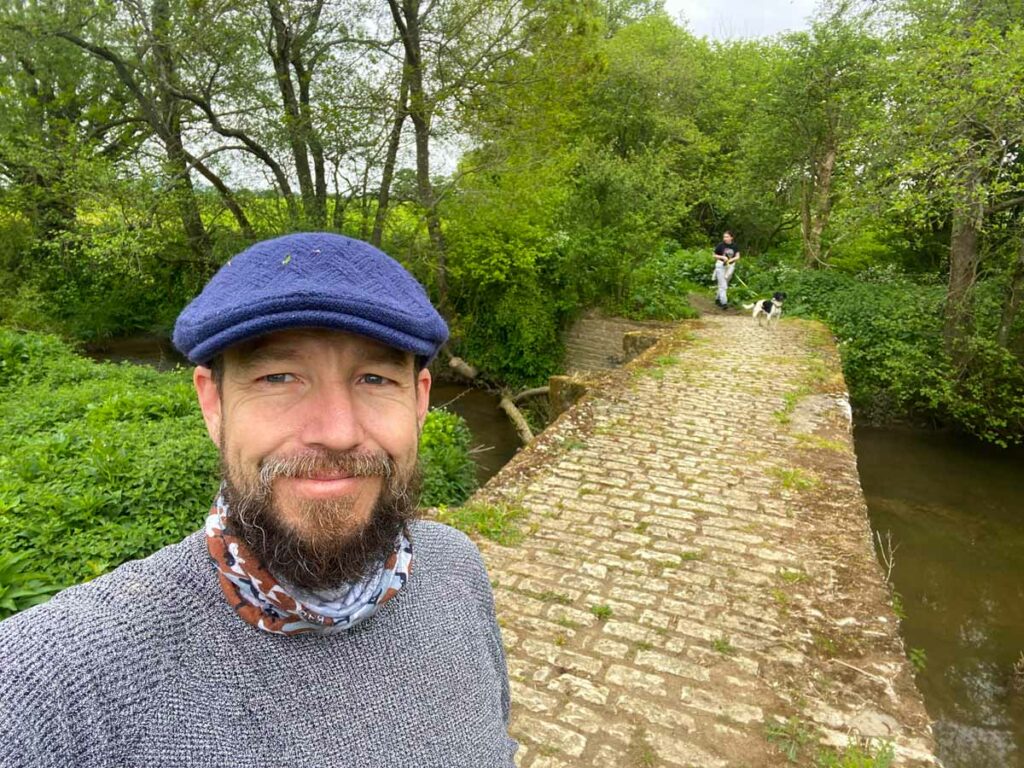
[295,342]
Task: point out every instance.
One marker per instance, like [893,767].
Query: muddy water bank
[955,511]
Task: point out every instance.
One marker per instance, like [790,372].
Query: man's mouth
[326,474]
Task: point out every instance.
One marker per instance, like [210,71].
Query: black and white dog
[769,310]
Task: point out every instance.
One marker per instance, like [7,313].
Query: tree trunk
[963,266]
[1014,293]
[185,196]
[407,19]
[316,148]
[817,206]
[394,141]
[226,195]
[281,55]
[169,108]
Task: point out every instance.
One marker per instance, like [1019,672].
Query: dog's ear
[779,296]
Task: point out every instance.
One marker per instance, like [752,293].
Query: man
[727,253]
[313,622]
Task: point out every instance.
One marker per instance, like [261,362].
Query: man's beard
[328,554]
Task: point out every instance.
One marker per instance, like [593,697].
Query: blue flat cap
[310,280]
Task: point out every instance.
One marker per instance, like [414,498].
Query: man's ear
[422,396]
[209,401]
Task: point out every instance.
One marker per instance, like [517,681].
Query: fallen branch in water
[522,427]
[531,393]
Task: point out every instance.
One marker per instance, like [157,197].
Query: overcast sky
[741,18]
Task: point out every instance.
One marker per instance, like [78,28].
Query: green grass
[656,368]
[723,646]
[497,522]
[795,479]
[794,737]
[602,612]
[793,577]
[814,441]
[789,400]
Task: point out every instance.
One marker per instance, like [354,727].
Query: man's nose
[331,418]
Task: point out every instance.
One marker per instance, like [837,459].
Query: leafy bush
[889,330]
[658,288]
[449,473]
[515,336]
[20,588]
[104,463]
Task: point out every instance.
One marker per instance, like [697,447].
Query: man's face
[727,238]
[318,432]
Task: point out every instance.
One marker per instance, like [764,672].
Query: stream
[955,511]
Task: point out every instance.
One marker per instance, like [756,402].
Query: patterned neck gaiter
[259,599]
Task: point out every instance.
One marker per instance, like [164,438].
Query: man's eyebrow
[387,356]
[251,356]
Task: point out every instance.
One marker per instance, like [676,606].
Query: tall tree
[807,115]
[59,116]
[954,133]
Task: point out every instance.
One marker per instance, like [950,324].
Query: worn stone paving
[594,343]
[697,585]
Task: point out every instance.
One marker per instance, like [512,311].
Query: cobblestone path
[594,343]
[697,585]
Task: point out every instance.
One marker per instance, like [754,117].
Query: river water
[494,438]
[955,511]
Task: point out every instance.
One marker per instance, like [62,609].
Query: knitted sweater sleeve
[490,622]
[35,717]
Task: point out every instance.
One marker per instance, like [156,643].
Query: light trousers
[723,274]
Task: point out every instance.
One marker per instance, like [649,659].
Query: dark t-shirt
[726,249]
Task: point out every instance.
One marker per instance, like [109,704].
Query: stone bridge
[697,585]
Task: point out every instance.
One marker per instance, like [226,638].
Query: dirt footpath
[697,585]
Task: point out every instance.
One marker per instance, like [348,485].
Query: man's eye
[278,378]
[375,379]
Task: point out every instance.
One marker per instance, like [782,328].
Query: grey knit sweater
[149,666]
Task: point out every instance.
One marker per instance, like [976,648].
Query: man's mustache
[326,464]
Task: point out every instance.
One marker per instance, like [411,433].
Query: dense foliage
[103,463]
[590,148]
[889,329]
[449,474]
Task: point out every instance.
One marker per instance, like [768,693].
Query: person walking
[727,253]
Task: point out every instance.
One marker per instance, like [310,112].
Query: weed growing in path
[547,596]
[497,522]
[793,577]
[792,736]
[795,479]
[602,612]
[723,646]
[641,754]
[789,737]
[897,605]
